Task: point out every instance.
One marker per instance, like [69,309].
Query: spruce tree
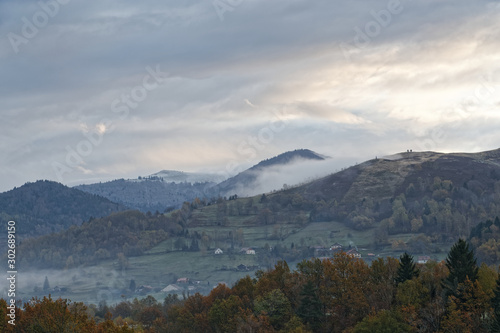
[407,269]
[310,308]
[495,304]
[46,285]
[462,264]
[132,286]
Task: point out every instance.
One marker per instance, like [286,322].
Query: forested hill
[44,207]
[429,192]
[117,236]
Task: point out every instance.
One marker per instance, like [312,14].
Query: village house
[353,253]
[423,259]
[219,251]
[183,280]
[247,250]
[336,247]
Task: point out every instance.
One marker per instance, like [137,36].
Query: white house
[219,251]
[423,259]
[247,250]
[353,253]
[335,247]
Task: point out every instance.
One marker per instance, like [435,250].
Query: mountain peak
[249,181]
[288,157]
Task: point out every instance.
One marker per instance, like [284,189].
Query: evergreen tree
[310,308]
[46,285]
[495,304]
[132,286]
[194,245]
[407,269]
[462,264]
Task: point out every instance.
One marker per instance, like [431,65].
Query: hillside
[248,182]
[432,192]
[122,234]
[441,196]
[151,193]
[44,207]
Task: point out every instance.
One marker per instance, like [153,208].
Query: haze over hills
[254,181]
[44,207]
[168,189]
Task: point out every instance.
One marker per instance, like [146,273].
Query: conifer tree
[407,269]
[46,285]
[495,304]
[310,308]
[461,264]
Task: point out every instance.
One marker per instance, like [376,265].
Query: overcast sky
[98,90]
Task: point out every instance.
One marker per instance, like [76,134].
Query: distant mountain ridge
[169,189]
[45,206]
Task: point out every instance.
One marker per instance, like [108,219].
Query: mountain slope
[248,182]
[127,233]
[151,193]
[45,206]
[448,192]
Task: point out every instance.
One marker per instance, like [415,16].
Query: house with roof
[219,251]
[247,250]
[353,253]
[336,247]
[423,259]
[183,280]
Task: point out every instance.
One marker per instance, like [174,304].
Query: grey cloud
[277,55]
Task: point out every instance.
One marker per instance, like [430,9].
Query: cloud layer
[96,91]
